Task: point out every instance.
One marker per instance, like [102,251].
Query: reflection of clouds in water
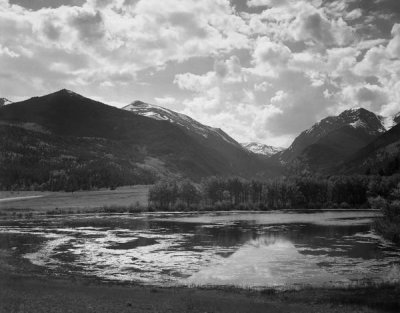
[161,262]
[44,256]
[242,249]
[267,261]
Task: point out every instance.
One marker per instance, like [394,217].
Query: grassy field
[36,201]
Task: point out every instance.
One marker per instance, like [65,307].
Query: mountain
[390,121]
[64,139]
[381,156]
[4,101]
[333,139]
[262,149]
[396,119]
[159,113]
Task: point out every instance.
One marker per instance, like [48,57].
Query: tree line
[388,225]
[311,192]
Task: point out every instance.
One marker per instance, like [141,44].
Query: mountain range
[63,137]
[63,140]
[333,141]
[193,126]
[262,149]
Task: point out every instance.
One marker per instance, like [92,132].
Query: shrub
[378,203]
[344,205]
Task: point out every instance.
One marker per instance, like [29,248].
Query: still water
[274,249]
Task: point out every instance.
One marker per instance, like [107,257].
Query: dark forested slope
[64,140]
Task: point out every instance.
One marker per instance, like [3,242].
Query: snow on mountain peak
[160,113]
[361,118]
[358,118]
[67,92]
[358,124]
[260,148]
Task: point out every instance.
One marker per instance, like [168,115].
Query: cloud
[196,83]
[393,47]
[353,15]
[4,51]
[268,55]
[272,67]
[371,96]
[165,101]
[314,26]
[117,34]
[271,3]
[269,107]
[89,25]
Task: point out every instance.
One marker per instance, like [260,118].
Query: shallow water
[242,249]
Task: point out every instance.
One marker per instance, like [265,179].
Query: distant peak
[67,92]
[356,111]
[260,148]
[138,102]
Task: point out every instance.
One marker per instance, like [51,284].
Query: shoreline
[43,293]
[109,211]
[25,287]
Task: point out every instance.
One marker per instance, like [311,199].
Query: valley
[143,200]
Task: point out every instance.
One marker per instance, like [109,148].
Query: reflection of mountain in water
[239,249]
[265,261]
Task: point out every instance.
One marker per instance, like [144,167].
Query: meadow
[47,201]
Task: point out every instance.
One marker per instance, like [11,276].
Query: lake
[268,249]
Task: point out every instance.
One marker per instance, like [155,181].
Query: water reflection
[210,249]
[265,261]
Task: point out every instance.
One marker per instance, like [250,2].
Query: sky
[262,70]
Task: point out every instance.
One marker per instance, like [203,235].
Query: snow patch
[358,124]
[159,113]
[260,148]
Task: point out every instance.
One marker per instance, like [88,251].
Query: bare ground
[20,293]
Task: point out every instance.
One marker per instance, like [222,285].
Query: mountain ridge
[160,113]
[54,126]
[357,118]
[331,141]
[381,156]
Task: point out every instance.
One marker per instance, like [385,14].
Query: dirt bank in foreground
[28,293]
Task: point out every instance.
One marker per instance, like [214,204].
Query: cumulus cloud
[273,68]
[165,101]
[272,3]
[268,55]
[316,27]
[393,47]
[119,34]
